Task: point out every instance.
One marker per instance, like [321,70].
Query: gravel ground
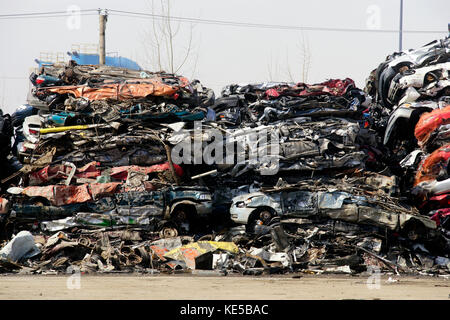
[204,287]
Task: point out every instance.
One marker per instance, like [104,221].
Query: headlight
[240,204]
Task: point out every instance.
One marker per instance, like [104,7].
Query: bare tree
[304,57]
[167,46]
[273,70]
[288,68]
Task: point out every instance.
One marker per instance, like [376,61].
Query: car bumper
[240,215]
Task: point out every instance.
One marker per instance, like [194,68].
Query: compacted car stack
[116,170]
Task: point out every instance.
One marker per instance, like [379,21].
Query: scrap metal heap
[136,171]
[412,93]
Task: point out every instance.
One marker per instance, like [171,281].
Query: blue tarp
[82,59]
[121,62]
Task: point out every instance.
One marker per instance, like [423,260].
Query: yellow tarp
[189,252]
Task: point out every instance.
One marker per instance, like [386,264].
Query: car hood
[248,196]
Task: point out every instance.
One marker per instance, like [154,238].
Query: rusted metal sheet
[129,89]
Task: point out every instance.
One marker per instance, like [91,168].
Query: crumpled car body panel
[433,166]
[416,78]
[62,171]
[90,170]
[335,87]
[111,209]
[402,116]
[336,205]
[60,194]
[434,52]
[304,144]
[129,89]
[394,121]
[429,123]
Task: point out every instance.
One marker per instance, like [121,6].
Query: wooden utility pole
[103,16]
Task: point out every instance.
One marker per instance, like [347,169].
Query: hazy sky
[225,54]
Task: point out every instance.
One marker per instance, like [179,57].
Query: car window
[299,202]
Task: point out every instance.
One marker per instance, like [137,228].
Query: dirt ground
[180,287]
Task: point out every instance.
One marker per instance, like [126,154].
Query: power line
[257,25]
[47,16]
[50,14]
[86,12]
[42,13]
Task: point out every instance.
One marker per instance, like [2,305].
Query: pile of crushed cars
[115,170]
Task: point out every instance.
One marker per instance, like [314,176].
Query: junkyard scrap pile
[115,170]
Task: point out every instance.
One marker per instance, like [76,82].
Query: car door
[299,203]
